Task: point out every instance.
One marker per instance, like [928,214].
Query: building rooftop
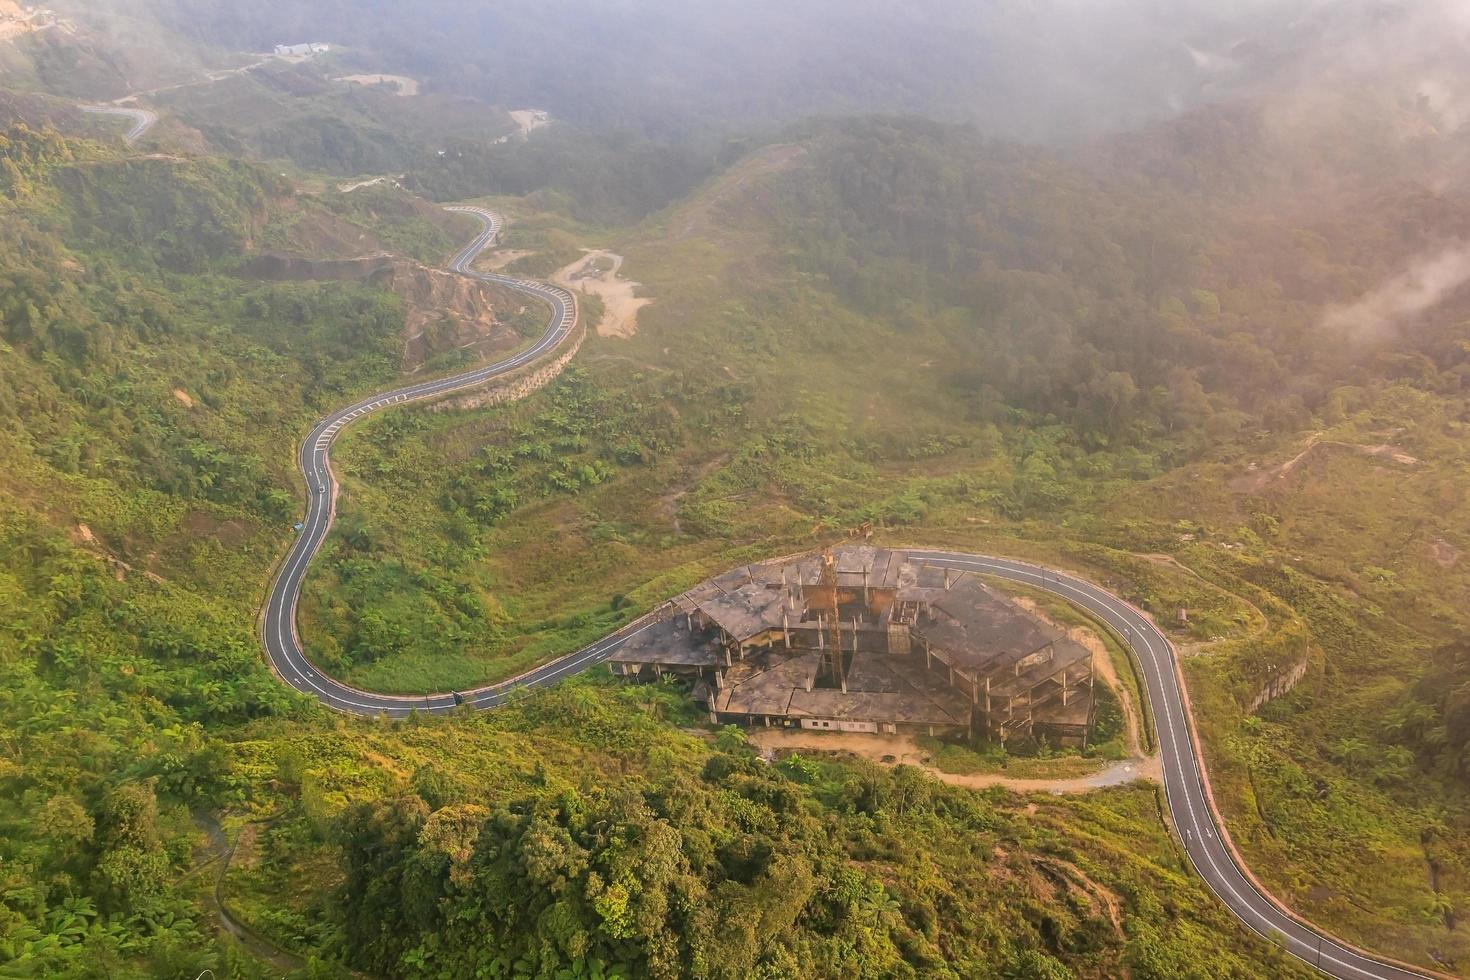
[980,630]
[742,607]
[669,644]
[763,685]
[917,582]
[879,688]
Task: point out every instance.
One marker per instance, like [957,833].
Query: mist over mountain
[1151,317]
[1054,70]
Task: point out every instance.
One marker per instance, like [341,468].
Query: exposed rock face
[14,21]
[444,311]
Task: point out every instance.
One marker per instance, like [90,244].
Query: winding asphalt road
[1193,814]
[278,620]
[143,119]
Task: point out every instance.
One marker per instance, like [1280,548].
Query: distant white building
[302,50]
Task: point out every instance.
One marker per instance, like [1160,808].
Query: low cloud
[1419,288]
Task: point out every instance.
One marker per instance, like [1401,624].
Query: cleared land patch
[596,273]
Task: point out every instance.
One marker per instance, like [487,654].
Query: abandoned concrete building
[864,639]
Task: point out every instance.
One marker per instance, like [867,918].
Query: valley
[304,464]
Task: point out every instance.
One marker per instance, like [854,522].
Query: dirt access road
[904,750]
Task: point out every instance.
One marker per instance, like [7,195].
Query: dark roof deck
[980,631]
[879,689]
[763,685]
[742,609]
[669,644]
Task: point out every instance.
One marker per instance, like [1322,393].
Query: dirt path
[218,852]
[703,212]
[904,750]
[370,182]
[1254,480]
[596,273]
[1262,621]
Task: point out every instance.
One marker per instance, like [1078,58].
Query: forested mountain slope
[152,395]
[1219,362]
[1215,379]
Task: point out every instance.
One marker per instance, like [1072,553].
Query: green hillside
[1208,346]
[969,344]
[151,398]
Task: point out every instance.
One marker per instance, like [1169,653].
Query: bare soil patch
[529,120]
[348,188]
[231,533]
[15,22]
[596,273]
[1445,555]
